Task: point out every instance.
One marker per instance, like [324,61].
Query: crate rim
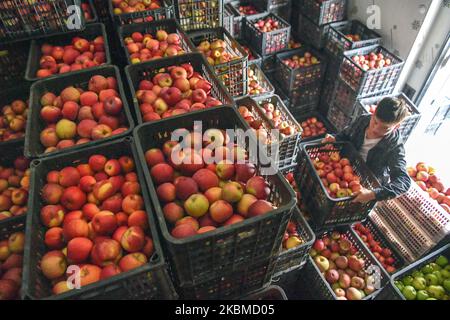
[121,91]
[219,231]
[365,101]
[292,52]
[265,15]
[149,266]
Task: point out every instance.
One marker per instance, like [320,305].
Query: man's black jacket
[386,159]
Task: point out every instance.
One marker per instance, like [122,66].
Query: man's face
[379,128]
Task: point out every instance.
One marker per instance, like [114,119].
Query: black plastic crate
[12,63]
[326,211]
[339,42]
[271,293]
[150,281]
[203,257]
[170,26]
[262,80]
[330,79]
[234,285]
[324,12]
[410,122]
[267,43]
[294,78]
[391,292]
[344,98]
[253,56]
[337,117]
[292,259]
[289,145]
[91,9]
[164,12]
[23,20]
[233,74]
[310,32]
[315,283]
[378,235]
[145,71]
[371,82]
[19,92]
[304,113]
[33,146]
[102,11]
[239,19]
[199,14]
[91,32]
[228,20]
[283,9]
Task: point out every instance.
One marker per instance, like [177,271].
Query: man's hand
[364,196]
[328,139]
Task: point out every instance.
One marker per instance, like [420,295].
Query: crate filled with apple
[258,84]
[253,56]
[226,56]
[76,110]
[12,65]
[200,197]
[304,95]
[139,11]
[242,10]
[350,35]
[13,113]
[314,126]
[143,41]
[68,53]
[267,33]
[308,31]
[199,14]
[12,245]
[345,99]
[341,268]
[300,67]
[92,212]
[324,11]
[14,181]
[371,70]
[329,176]
[173,86]
[338,117]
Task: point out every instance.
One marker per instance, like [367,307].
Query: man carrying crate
[380,145]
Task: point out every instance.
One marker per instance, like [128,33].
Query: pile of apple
[274,115]
[247,10]
[384,255]
[297,61]
[145,47]
[291,179]
[353,37]
[294,44]
[88,16]
[267,25]
[426,178]
[291,237]
[254,83]
[77,116]
[260,129]
[312,128]
[11,258]
[431,282]
[80,54]
[130,6]
[338,261]
[13,120]
[336,175]
[96,220]
[372,61]
[197,197]
[14,184]
[248,51]
[174,91]
[215,52]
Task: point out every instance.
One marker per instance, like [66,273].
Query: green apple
[439,276]
[432,279]
[446,284]
[427,269]
[313,253]
[409,293]
[419,283]
[446,297]
[445,274]
[435,266]
[399,285]
[436,292]
[335,286]
[422,295]
[447,268]
[431,299]
[417,274]
[442,261]
[407,280]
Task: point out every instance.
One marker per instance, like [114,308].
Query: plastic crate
[378,235]
[228,20]
[262,80]
[170,26]
[330,80]
[165,12]
[7,96]
[288,146]
[102,11]
[269,63]
[201,258]
[302,114]
[324,12]
[310,32]
[410,122]
[92,11]
[372,82]
[391,292]
[150,281]
[239,19]
[293,259]
[136,73]
[338,118]
[23,20]
[33,146]
[233,74]
[344,98]
[267,43]
[253,56]
[305,95]
[90,33]
[283,9]
[199,14]
[12,66]
[338,42]
[271,293]
[326,211]
[294,78]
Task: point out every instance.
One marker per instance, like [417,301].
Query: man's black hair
[391,110]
